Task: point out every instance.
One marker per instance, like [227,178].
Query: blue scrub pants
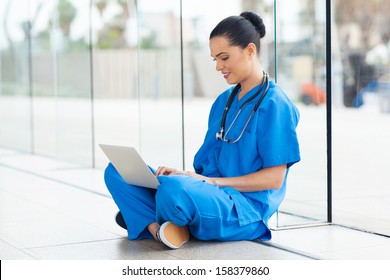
[206,209]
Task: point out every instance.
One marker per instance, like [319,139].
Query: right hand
[164,170]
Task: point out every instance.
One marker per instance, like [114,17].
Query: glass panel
[44,74]
[160,83]
[15,100]
[62,80]
[115,74]
[300,70]
[72,64]
[361,118]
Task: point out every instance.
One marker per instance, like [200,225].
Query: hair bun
[256,21]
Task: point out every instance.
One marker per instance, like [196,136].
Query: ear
[251,49]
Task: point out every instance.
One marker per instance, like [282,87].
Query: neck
[251,82]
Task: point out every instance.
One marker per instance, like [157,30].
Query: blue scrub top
[270,139]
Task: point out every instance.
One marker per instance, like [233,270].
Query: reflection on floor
[52,210]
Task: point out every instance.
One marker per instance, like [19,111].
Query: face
[233,62]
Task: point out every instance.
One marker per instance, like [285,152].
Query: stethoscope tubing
[221,135]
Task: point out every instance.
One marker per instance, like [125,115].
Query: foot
[120,221]
[172,235]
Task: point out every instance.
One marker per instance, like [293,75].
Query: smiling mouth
[226,75]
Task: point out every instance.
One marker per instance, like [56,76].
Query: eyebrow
[221,53]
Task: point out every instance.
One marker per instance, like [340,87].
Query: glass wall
[61,80]
[300,68]
[74,74]
[115,64]
[137,79]
[139,73]
[15,103]
[160,92]
[361,115]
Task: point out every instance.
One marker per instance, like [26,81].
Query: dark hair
[241,30]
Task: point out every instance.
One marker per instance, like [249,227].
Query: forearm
[265,179]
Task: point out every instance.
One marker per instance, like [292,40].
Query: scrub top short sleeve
[277,140]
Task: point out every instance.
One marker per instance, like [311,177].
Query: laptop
[129,164]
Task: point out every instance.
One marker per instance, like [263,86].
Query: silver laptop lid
[130,165]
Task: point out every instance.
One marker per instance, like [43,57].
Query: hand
[164,170]
[201,177]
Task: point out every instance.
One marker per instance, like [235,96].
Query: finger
[163,170]
[159,171]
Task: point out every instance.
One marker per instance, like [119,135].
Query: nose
[218,65]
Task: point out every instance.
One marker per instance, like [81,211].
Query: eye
[223,58]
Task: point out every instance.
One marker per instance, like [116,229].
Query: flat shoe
[120,221]
[172,235]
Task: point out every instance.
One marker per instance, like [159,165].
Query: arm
[270,178]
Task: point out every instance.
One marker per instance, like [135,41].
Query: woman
[240,169]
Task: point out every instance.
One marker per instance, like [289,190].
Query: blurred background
[74,74]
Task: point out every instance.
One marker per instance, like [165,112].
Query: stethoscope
[222,135]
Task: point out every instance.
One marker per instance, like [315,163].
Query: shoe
[120,221]
[172,235]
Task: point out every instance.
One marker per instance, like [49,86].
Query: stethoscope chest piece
[219,135]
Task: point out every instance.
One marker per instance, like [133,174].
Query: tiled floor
[59,211]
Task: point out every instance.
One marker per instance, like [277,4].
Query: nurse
[242,166]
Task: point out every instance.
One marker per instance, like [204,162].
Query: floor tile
[9,252]
[380,252]
[34,163]
[118,249]
[40,197]
[85,178]
[321,240]
[14,208]
[239,250]
[49,232]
